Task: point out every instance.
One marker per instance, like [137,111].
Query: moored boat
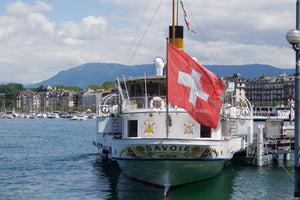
[134,134]
[175,128]
[79,117]
[53,116]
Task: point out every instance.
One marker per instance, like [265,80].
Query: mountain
[95,74]
[249,71]
[98,73]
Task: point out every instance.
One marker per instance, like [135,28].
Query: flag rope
[185,18]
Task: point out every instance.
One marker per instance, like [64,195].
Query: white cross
[193,81]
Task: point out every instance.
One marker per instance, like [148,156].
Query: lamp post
[293,37]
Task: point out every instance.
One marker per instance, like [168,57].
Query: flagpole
[177,14]
[173,24]
[167,92]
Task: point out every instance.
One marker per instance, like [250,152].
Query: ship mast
[175,38]
[176,31]
[173,23]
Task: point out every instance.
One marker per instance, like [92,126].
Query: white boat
[41,115]
[161,143]
[79,117]
[92,116]
[53,116]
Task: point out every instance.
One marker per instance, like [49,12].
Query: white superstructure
[132,130]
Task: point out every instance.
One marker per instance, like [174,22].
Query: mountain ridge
[97,73]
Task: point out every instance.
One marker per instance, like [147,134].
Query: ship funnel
[160,64]
[178,36]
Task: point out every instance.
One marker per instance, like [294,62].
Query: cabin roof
[147,78]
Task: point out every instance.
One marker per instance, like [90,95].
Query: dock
[273,144]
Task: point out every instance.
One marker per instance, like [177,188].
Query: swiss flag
[194,88]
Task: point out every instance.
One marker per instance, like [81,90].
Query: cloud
[92,21]
[34,47]
[90,27]
[20,9]
[39,22]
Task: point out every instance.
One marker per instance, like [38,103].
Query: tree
[42,88]
[94,87]
[10,91]
[108,84]
[62,87]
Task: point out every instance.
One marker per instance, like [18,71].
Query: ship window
[205,132]
[132,128]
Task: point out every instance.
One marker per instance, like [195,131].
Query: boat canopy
[150,86]
[143,93]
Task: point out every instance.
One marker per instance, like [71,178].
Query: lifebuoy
[157,103]
[105,109]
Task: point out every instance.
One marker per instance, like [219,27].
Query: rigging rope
[202,34]
[137,31]
[139,43]
[285,169]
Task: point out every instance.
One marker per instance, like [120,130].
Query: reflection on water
[234,182]
[54,159]
[121,187]
[219,187]
[108,173]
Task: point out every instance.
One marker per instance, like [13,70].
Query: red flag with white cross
[194,88]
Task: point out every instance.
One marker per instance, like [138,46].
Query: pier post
[293,37]
[250,135]
[297,110]
[260,146]
[286,157]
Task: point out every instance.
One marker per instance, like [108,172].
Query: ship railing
[237,107]
[153,103]
[138,104]
[149,102]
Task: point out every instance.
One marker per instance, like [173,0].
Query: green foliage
[62,87]
[94,87]
[10,90]
[108,84]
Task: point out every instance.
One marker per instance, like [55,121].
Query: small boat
[9,116]
[92,116]
[53,116]
[175,128]
[79,118]
[41,115]
[33,116]
[12,115]
[63,115]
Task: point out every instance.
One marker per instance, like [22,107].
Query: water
[55,159]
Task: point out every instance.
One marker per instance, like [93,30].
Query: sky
[38,39]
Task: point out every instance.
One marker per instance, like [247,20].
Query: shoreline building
[271,91]
[239,85]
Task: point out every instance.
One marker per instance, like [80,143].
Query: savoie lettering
[169,151]
[167,148]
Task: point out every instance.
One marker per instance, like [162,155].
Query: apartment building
[271,91]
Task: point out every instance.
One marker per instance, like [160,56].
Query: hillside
[98,73]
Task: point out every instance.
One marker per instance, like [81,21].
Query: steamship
[160,143]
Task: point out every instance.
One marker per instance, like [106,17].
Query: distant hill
[98,73]
[249,71]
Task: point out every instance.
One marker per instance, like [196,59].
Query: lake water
[55,159]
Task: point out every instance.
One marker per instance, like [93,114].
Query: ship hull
[170,163]
[168,173]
